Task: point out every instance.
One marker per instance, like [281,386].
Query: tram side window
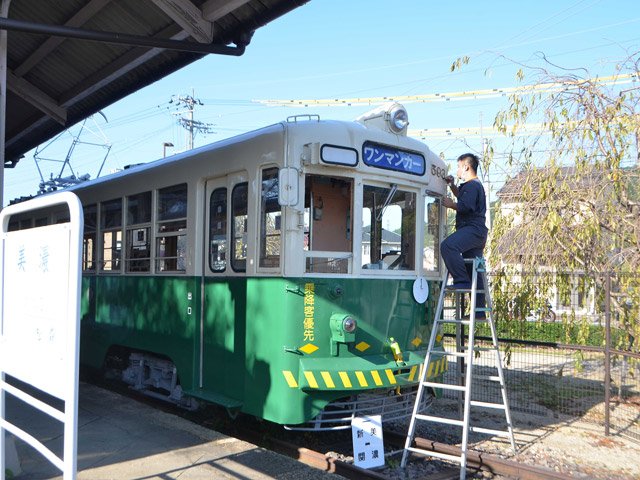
[89,238]
[328,225]
[431,247]
[111,228]
[62,217]
[239,202]
[18,223]
[171,242]
[388,228]
[138,253]
[218,230]
[270,220]
[14,224]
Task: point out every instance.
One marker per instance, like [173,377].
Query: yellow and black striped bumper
[312,376]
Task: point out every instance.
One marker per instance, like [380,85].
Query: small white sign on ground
[368,446]
[40,318]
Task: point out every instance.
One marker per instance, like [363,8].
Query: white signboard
[40,318]
[34,316]
[368,447]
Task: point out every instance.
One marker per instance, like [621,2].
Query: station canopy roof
[68,59]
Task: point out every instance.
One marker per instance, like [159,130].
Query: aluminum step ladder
[465,357]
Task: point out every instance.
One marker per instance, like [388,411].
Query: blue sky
[358,48]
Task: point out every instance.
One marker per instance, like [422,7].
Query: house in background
[516,243]
[391,246]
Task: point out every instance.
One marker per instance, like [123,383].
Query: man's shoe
[459,286]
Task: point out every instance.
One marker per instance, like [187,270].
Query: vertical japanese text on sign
[309,309]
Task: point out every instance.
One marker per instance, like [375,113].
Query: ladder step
[463,290]
[464,321]
[500,406]
[448,421]
[500,433]
[485,349]
[448,354]
[477,349]
[452,320]
[491,378]
[446,386]
[431,453]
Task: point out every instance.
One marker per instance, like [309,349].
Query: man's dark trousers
[465,242]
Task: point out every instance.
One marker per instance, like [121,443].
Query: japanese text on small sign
[368,446]
[381,156]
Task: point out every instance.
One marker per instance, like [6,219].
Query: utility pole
[186,104]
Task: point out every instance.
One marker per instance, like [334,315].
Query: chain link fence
[569,346]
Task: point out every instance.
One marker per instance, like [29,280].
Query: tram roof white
[313,129]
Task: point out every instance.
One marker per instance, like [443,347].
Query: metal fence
[582,362]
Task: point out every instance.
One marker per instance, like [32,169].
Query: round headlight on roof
[398,119]
[349,324]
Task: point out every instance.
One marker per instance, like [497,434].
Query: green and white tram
[288,273]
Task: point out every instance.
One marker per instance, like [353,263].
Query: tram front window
[328,241]
[388,228]
[431,251]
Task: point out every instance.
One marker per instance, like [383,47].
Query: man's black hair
[472,159]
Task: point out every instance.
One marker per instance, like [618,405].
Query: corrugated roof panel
[80,73]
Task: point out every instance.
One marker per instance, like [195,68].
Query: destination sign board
[391,158]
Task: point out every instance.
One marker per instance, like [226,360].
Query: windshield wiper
[386,203]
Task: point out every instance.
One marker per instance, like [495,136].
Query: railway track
[306,448]
[476,462]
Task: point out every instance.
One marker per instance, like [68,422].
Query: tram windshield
[388,228]
[388,237]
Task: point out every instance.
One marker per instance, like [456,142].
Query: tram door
[223,292]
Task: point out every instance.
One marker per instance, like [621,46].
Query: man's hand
[452,186]
[449,203]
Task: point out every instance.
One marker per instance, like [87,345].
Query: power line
[551,87]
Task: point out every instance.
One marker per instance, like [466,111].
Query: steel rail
[475,461]
[482,461]
[312,458]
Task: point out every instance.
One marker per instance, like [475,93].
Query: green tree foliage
[574,205]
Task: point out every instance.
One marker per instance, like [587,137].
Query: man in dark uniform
[469,239]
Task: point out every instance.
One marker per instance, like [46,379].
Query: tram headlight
[390,117]
[343,327]
[398,119]
[349,324]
